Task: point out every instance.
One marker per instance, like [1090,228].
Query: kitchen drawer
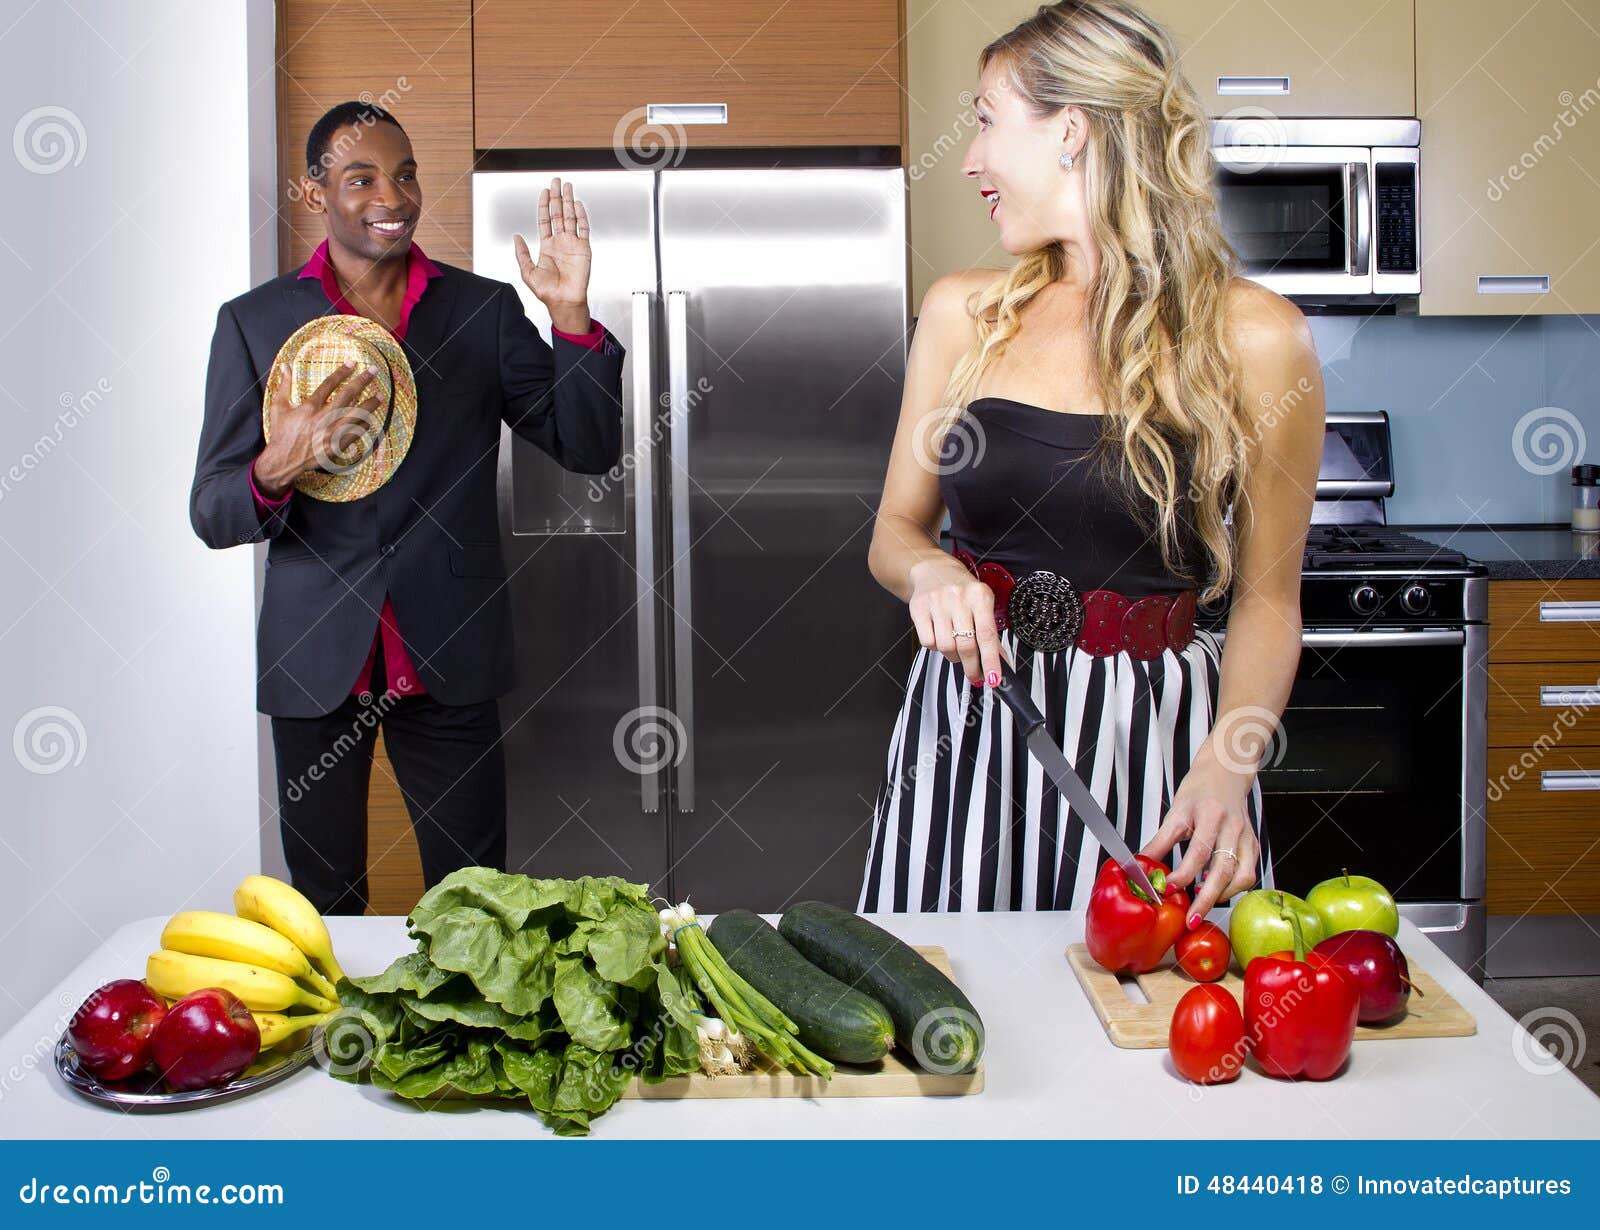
[1544,831]
[1544,621]
[1530,701]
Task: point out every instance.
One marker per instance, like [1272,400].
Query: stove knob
[1363,599]
[1415,599]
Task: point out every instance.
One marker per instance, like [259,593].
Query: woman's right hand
[946,600]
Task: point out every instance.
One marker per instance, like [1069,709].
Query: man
[392,608]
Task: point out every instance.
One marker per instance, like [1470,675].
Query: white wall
[136,194]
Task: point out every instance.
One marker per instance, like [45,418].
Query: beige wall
[949,226]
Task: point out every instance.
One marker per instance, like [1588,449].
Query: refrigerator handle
[644,549]
[682,595]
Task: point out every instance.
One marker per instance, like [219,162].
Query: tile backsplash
[1488,413]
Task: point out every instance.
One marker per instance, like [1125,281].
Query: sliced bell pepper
[1127,932]
[1300,1011]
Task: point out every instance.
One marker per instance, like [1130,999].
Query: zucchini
[834,1021]
[932,1018]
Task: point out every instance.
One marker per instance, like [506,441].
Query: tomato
[1207,1035]
[1203,953]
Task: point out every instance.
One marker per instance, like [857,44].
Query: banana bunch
[275,954]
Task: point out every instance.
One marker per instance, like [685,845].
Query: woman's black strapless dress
[965,819]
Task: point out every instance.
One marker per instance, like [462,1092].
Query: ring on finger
[964,632]
[1231,854]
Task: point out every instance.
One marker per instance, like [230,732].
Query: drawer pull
[1553,696]
[1513,284]
[1570,612]
[686,113]
[1252,85]
[1569,779]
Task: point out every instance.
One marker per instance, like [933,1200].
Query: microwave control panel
[1397,220]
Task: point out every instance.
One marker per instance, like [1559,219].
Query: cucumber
[834,1021]
[932,1018]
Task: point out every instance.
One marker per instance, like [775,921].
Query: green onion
[741,1007]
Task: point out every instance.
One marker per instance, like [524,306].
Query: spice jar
[1586,498]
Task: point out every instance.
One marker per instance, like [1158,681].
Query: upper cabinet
[1510,157]
[1296,57]
[629,76]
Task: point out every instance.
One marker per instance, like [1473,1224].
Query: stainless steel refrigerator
[708,676]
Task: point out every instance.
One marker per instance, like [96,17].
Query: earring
[1066,162]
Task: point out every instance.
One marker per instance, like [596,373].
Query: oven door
[1300,217]
[1378,767]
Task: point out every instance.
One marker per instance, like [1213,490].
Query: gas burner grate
[1375,546]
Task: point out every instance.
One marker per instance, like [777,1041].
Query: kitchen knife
[1060,771]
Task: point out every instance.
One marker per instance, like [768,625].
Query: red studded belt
[1045,611]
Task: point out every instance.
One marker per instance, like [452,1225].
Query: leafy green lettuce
[557,991]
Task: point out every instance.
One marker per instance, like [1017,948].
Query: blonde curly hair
[1165,266]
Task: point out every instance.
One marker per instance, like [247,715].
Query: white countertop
[1050,1070]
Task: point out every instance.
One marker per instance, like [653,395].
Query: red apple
[111,1030]
[207,1038]
[1378,967]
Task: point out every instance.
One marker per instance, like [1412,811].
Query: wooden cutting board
[894,1076]
[1431,1014]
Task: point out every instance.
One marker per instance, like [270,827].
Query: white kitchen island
[1050,1071]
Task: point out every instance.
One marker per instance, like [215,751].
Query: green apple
[1259,924]
[1354,903]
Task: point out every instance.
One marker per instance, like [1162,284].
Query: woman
[1118,408]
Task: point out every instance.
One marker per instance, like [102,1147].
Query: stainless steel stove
[1380,767]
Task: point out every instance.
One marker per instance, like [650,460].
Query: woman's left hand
[1208,813]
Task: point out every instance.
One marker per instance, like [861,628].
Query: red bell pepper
[1300,1011]
[1127,932]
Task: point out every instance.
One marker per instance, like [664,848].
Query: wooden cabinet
[1544,747]
[551,76]
[1296,57]
[1509,150]
[414,59]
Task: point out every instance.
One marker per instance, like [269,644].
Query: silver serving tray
[145,1091]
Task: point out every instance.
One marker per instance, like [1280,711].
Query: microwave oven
[1323,211]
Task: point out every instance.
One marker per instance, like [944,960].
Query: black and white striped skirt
[965,818]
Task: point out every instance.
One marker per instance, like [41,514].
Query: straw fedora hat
[366,456]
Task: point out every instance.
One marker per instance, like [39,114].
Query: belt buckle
[1046,611]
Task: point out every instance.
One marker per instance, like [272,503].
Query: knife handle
[1015,694]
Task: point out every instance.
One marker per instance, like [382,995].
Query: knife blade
[1060,771]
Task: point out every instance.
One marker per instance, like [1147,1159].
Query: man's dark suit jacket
[430,536]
